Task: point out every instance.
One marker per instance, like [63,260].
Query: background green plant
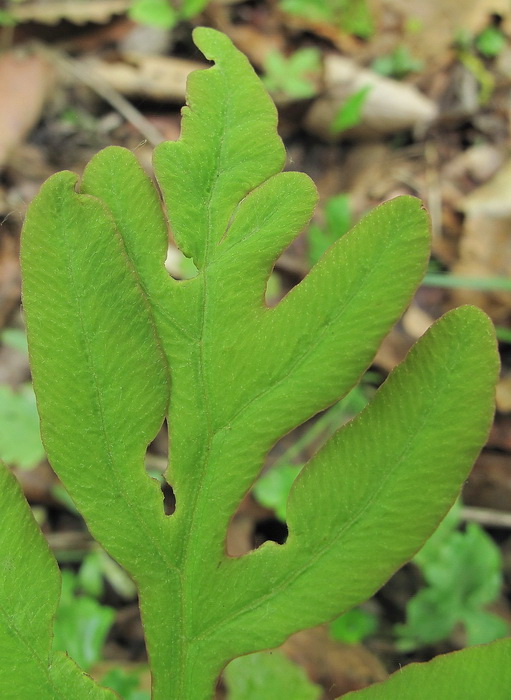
[295,76]
[463,574]
[352,16]
[20,440]
[165,13]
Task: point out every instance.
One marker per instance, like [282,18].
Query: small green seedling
[296,76]
[490,42]
[397,64]
[338,221]
[116,345]
[354,626]
[82,622]
[125,683]
[463,575]
[268,675]
[164,14]
[350,112]
[351,16]
[20,439]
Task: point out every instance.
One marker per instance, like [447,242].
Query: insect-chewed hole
[262,514]
[156,461]
[270,529]
[178,265]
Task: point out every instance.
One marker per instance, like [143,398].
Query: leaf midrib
[203,390]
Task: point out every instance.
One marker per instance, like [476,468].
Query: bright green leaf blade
[98,370]
[115,177]
[76,684]
[377,506]
[268,675]
[29,591]
[471,674]
[379,509]
[228,146]
[329,320]
[27,567]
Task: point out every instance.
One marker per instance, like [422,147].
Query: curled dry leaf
[161,78]
[341,667]
[485,249]
[390,106]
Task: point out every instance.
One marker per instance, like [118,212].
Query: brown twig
[101,87]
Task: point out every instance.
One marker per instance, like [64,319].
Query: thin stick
[487,516]
[100,86]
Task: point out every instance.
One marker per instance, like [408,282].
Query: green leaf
[490,42]
[107,328]
[354,626]
[81,625]
[471,674]
[350,112]
[294,76]
[268,675]
[360,527]
[14,338]
[338,221]
[463,572]
[125,683]
[397,64]
[98,368]
[29,591]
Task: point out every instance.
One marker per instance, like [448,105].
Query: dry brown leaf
[416,321]
[491,199]
[485,248]
[75,11]
[24,85]
[161,78]
[390,106]
[10,276]
[485,251]
[489,484]
[440,22]
[340,667]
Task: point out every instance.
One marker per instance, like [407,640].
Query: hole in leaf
[288,456]
[156,462]
[169,499]
[178,265]
[271,529]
